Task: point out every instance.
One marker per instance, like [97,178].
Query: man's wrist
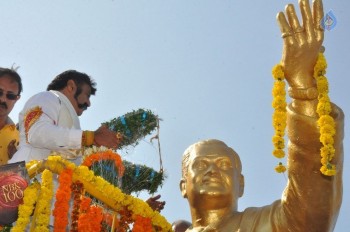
[88,138]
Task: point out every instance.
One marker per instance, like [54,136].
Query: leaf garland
[140,177]
[133,126]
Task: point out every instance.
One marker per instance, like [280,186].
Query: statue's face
[211,173]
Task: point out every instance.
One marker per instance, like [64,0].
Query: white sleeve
[43,132]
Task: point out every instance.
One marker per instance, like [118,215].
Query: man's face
[212,173]
[82,101]
[9,95]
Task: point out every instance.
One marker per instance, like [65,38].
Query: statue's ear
[241,185]
[183,188]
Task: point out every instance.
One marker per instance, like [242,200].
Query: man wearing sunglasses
[10,89]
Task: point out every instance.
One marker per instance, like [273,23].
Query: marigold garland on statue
[325,121]
[279,115]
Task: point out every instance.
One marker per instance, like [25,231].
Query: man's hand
[12,148]
[302,43]
[105,137]
[155,204]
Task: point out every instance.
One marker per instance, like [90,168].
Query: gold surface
[212,180]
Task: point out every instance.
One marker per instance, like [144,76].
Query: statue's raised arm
[212,179]
[311,200]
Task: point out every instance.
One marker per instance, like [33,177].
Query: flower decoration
[106,161]
[42,212]
[77,189]
[63,196]
[325,122]
[99,188]
[279,116]
[25,210]
[142,224]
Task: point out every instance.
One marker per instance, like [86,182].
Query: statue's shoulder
[259,218]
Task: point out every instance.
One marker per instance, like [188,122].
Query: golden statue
[211,171]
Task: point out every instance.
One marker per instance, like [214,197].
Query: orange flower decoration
[142,224]
[105,155]
[63,196]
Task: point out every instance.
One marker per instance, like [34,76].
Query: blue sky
[203,66]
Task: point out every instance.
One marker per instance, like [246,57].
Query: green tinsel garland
[140,177]
[133,126]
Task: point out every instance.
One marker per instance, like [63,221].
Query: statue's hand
[301,43]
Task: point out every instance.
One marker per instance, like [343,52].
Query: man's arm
[39,121]
[42,130]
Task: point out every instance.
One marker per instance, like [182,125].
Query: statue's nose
[213,168]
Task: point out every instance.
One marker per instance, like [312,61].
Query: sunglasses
[9,96]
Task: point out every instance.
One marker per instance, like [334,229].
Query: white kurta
[57,129]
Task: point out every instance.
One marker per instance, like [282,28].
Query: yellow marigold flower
[280,168]
[327,129]
[324,108]
[327,150]
[330,172]
[322,84]
[278,142]
[323,169]
[279,102]
[279,116]
[277,72]
[320,66]
[278,153]
[279,88]
[326,139]
[279,125]
[325,120]
[324,161]
[323,98]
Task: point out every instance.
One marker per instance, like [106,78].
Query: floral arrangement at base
[129,177]
[129,210]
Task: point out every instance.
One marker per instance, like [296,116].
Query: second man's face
[9,90]
[82,101]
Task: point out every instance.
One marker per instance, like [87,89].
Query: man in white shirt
[49,120]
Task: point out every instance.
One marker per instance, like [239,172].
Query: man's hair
[79,78]
[190,150]
[14,76]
